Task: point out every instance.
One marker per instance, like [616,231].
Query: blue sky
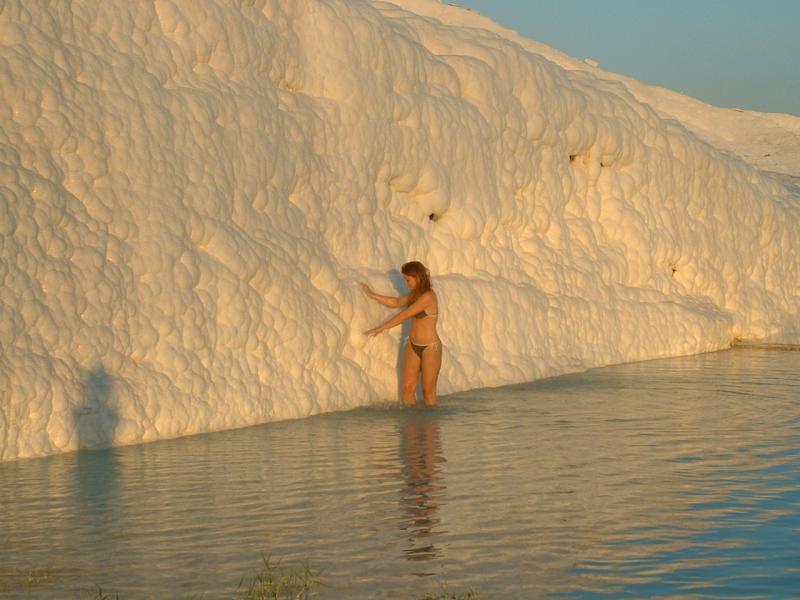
[737,53]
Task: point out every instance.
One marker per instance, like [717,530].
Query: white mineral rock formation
[191,190]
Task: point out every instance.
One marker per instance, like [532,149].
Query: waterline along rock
[190,192]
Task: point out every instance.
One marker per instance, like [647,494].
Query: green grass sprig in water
[274,582]
[101,595]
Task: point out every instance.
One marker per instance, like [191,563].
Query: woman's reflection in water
[421,452]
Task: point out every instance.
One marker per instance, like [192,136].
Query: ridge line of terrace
[740,344]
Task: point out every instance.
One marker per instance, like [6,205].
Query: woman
[424,349]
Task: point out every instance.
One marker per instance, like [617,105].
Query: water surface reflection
[678,477]
[421,453]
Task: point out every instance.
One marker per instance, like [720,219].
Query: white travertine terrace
[190,192]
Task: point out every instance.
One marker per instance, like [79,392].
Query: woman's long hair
[420,271]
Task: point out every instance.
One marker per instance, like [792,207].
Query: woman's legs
[411,367]
[431,364]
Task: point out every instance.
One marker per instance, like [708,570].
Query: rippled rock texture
[190,192]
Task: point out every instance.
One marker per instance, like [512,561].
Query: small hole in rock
[433,217]
[572,157]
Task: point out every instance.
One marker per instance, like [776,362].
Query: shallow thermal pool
[669,477]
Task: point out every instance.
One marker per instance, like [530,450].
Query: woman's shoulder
[425,298]
[430,298]
[427,295]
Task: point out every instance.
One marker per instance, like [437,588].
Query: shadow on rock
[401,289]
[96,418]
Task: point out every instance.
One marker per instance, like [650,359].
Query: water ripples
[676,477]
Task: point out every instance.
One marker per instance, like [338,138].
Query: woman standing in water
[424,349]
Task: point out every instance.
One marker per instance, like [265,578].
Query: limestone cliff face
[190,192]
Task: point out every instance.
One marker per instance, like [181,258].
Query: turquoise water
[677,477]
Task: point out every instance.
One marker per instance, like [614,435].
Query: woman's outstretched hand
[374,331]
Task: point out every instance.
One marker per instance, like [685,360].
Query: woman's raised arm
[393,301]
[418,305]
